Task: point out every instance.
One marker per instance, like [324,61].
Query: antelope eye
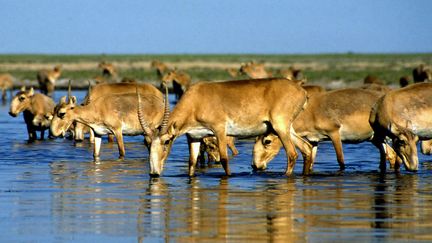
[61,114]
[21,98]
[166,142]
[267,141]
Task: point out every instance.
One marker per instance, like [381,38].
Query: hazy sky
[218,26]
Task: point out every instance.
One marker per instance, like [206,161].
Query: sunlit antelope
[404,115]
[111,114]
[35,107]
[108,69]
[161,68]
[341,116]
[112,89]
[6,83]
[254,70]
[47,79]
[180,81]
[244,108]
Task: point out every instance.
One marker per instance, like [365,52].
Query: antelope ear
[73,100]
[49,116]
[31,92]
[172,130]
[63,100]
[23,88]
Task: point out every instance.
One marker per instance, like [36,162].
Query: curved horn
[164,125]
[69,90]
[87,98]
[144,125]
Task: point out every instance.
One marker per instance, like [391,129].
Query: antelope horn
[164,125]
[87,98]
[69,90]
[144,125]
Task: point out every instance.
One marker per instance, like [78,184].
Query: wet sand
[53,191]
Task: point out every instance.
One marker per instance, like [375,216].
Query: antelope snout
[12,114]
[154,174]
[261,166]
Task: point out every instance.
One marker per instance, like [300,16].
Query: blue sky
[218,26]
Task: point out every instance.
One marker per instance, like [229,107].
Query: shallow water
[53,191]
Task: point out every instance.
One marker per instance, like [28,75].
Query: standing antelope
[6,84]
[161,68]
[254,70]
[180,81]
[291,73]
[47,79]
[34,107]
[108,69]
[339,116]
[404,115]
[112,89]
[421,74]
[110,114]
[244,108]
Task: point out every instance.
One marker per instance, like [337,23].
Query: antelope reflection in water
[117,198]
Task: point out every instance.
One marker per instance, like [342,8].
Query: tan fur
[112,89]
[372,79]
[244,108]
[34,107]
[6,83]
[47,79]
[377,87]
[313,89]
[404,115]
[291,73]
[180,81]
[209,146]
[254,70]
[108,69]
[339,116]
[161,68]
[109,114]
[233,72]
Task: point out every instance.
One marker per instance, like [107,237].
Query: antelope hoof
[288,173]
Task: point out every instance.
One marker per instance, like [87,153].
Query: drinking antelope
[339,116]
[244,108]
[404,115]
[110,114]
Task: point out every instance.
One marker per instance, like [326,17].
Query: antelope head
[42,120]
[63,114]
[266,147]
[161,139]
[21,101]
[405,146]
[169,77]
[211,148]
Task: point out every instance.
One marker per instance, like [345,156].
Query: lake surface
[52,191]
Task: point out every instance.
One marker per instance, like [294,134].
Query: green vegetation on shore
[320,68]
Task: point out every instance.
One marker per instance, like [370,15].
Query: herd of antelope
[278,110]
